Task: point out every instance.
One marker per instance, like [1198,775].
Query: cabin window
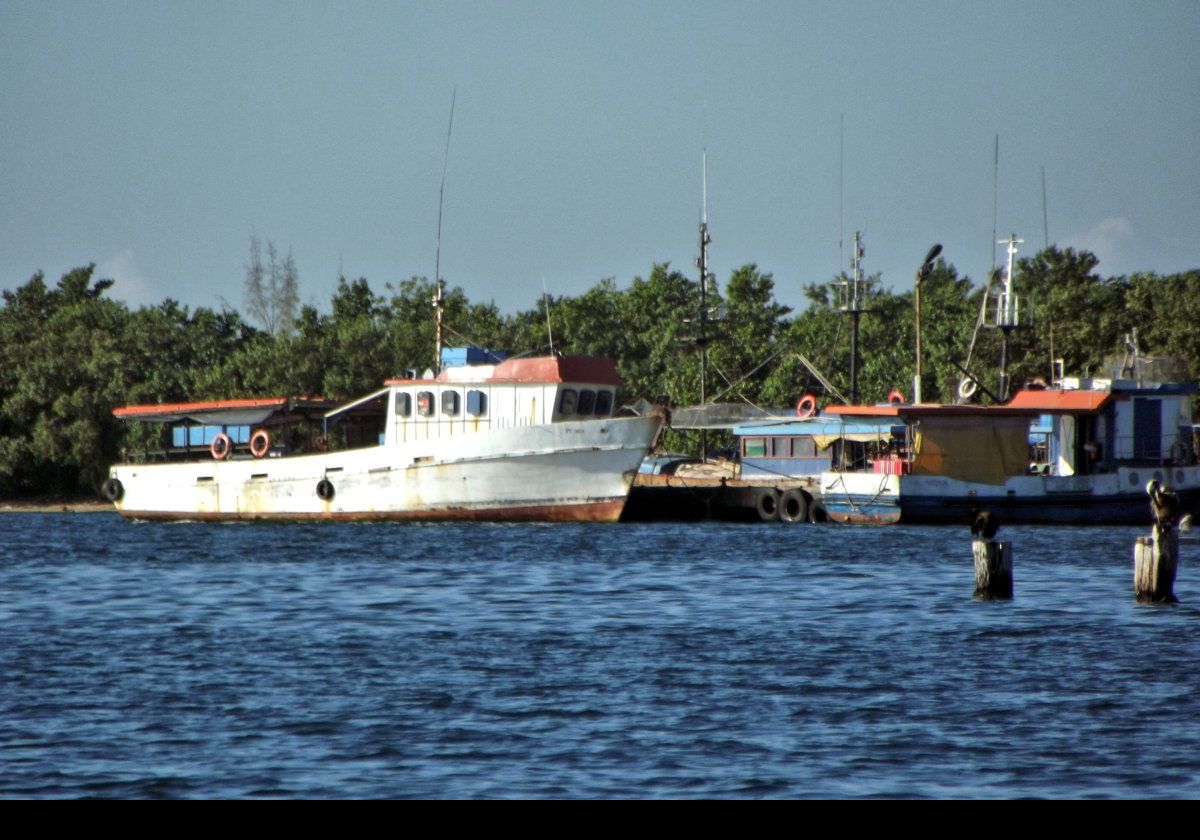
[604,401]
[587,402]
[403,404]
[476,403]
[803,447]
[425,403]
[450,403]
[754,447]
[566,403]
[781,447]
[204,435]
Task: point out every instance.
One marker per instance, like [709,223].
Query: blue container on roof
[459,356]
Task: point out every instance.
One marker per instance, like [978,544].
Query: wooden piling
[993,569]
[1155,559]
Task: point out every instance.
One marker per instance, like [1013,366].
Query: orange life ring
[221,447]
[896,398]
[806,406]
[260,443]
[320,443]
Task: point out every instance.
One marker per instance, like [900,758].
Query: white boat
[519,439]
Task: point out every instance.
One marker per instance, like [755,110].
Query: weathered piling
[993,569]
[1155,559]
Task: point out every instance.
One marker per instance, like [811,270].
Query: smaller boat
[487,438]
[1081,453]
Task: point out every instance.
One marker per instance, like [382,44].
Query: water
[708,660]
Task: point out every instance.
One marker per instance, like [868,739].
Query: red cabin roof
[1061,402]
[584,369]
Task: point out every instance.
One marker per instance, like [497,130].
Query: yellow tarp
[983,449]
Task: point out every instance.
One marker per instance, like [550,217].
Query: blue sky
[155,138]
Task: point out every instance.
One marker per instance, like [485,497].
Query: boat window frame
[451,402]
[430,407]
[562,401]
[604,402]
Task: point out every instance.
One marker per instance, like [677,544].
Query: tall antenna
[1045,223]
[546,305]
[439,302]
[995,196]
[841,190]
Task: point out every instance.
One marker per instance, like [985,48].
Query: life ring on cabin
[222,447]
[260,443]
[325,490]
[967,388]
[766,503]
[320,443]
[112,489]
[793,507]
[896,397]
[806,406]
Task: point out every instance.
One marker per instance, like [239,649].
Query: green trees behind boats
[72,353]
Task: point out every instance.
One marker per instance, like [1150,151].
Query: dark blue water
[708,660]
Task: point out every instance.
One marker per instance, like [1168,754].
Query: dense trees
[73,354]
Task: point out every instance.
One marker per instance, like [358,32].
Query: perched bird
[1164,505]
[984,524]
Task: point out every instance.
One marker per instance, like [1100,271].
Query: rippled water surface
[707,660]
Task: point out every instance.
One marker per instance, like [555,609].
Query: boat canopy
[248,412]
[987,450]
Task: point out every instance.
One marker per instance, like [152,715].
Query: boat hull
[1116,498]
[578,471]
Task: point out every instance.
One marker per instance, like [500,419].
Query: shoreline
[84,505]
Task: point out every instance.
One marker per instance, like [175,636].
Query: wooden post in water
[993,569]
[1155,559]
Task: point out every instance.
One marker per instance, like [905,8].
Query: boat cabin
[476,390]
[499,393]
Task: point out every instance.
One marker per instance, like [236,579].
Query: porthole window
[476,403]
[425,403]
[450,403]
[587,402]
[566,403]
[604,401]
[404,404]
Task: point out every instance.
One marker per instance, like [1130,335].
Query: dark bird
[1164,505]
[984,524]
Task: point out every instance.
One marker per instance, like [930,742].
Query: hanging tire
[793,507]
[766,502]
[113,490]
[817,514]
[325,490]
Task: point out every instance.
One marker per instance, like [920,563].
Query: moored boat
[491,439]
[1081,453]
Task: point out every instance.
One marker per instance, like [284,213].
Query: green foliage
[73,354]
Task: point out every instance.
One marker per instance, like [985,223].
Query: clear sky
[155,138]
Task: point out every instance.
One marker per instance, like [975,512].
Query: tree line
[73,354]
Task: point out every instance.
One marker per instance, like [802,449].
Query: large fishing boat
[1080,453]
[486,438]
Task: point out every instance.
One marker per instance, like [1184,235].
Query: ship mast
[1007,312]
[439,301]
[853,297]
[702,264]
